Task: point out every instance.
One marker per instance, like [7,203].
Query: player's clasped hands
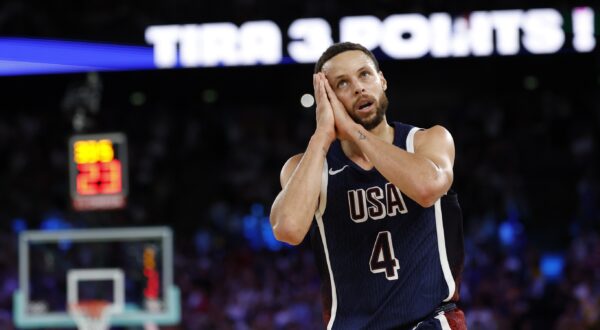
[332,117]
[324,112]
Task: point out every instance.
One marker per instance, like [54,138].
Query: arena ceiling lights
[398,36]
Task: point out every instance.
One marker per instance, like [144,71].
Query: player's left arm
[424,175]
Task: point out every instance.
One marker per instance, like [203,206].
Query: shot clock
[98,171]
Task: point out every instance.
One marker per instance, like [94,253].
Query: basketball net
[91,314]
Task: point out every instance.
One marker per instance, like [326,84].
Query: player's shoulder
[293,161]
[434,130]
[434,134]
[289,167]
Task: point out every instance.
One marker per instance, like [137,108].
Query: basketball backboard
[130,268]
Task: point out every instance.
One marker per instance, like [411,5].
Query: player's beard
[371,123]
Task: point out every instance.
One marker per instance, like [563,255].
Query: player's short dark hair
[341,47]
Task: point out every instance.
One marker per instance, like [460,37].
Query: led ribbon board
[98,171]
[506,32]
[398,36]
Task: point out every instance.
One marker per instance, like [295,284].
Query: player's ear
[383,81]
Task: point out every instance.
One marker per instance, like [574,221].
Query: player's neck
[383,131]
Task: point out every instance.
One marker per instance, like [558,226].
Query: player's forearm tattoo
[361,136]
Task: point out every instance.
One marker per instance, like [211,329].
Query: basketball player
[388,230]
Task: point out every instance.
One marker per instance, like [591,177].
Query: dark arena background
[207,135]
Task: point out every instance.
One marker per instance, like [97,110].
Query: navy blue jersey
[384,260]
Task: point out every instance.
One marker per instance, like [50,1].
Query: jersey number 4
[383,259]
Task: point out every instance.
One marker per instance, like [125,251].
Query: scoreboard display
[98,171]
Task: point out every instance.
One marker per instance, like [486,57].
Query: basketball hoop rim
[91,308]
[92,314]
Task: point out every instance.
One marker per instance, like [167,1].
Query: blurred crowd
[526,172]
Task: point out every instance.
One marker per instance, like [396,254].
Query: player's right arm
[293,209]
